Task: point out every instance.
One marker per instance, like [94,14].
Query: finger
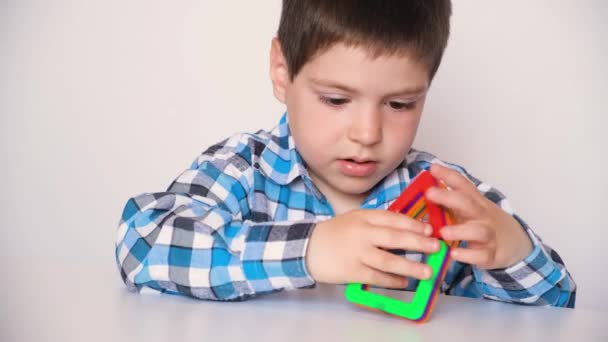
[378,278]
[388,262]
[458,201]
[467,232]
[387,218]
[390,238]
[452,178]
[482,257]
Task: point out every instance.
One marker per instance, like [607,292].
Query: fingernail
[434,244]
[428,230]
[427,272]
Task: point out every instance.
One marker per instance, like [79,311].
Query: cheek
[316,123]
[400,133]
[320,135]
[313,132]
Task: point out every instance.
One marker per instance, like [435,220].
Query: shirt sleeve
[196,239]
[540,278]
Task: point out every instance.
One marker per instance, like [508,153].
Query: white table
[43,302]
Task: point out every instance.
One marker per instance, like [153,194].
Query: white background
[103,100]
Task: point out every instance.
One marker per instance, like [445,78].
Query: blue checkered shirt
[237,224]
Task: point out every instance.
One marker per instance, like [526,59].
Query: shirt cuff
[523,282]
[274,256]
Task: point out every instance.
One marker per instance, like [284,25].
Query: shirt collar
[280,160]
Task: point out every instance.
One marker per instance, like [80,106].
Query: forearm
[172,243]
[541,279]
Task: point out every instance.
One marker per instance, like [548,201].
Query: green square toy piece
[421,303]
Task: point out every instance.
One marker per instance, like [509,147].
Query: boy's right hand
[352,248]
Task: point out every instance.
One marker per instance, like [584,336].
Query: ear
[279,74]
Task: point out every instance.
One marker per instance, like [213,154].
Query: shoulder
[240,150]
[418,160]
[422,160]
[223,173]
[226,163]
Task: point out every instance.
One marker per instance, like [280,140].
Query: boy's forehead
[350,65]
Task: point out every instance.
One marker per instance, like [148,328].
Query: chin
[357,186]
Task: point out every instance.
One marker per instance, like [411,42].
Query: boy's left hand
[495,239]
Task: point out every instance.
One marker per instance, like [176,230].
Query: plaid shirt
[237,223]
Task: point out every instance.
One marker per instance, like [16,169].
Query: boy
[306,202]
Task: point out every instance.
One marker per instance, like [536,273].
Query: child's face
[353,118]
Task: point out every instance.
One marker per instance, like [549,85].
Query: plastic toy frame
[413,203]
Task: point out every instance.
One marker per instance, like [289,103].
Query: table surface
[73,300]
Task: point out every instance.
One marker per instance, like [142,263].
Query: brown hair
[419,27]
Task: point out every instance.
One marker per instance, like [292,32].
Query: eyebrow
[332,84]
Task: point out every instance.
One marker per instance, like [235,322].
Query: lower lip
[351,168]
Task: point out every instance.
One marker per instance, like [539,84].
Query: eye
[401,106]
[333,101]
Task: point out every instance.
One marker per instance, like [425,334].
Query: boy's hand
[495,239]
[350,248]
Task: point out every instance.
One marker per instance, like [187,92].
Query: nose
[366,127]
